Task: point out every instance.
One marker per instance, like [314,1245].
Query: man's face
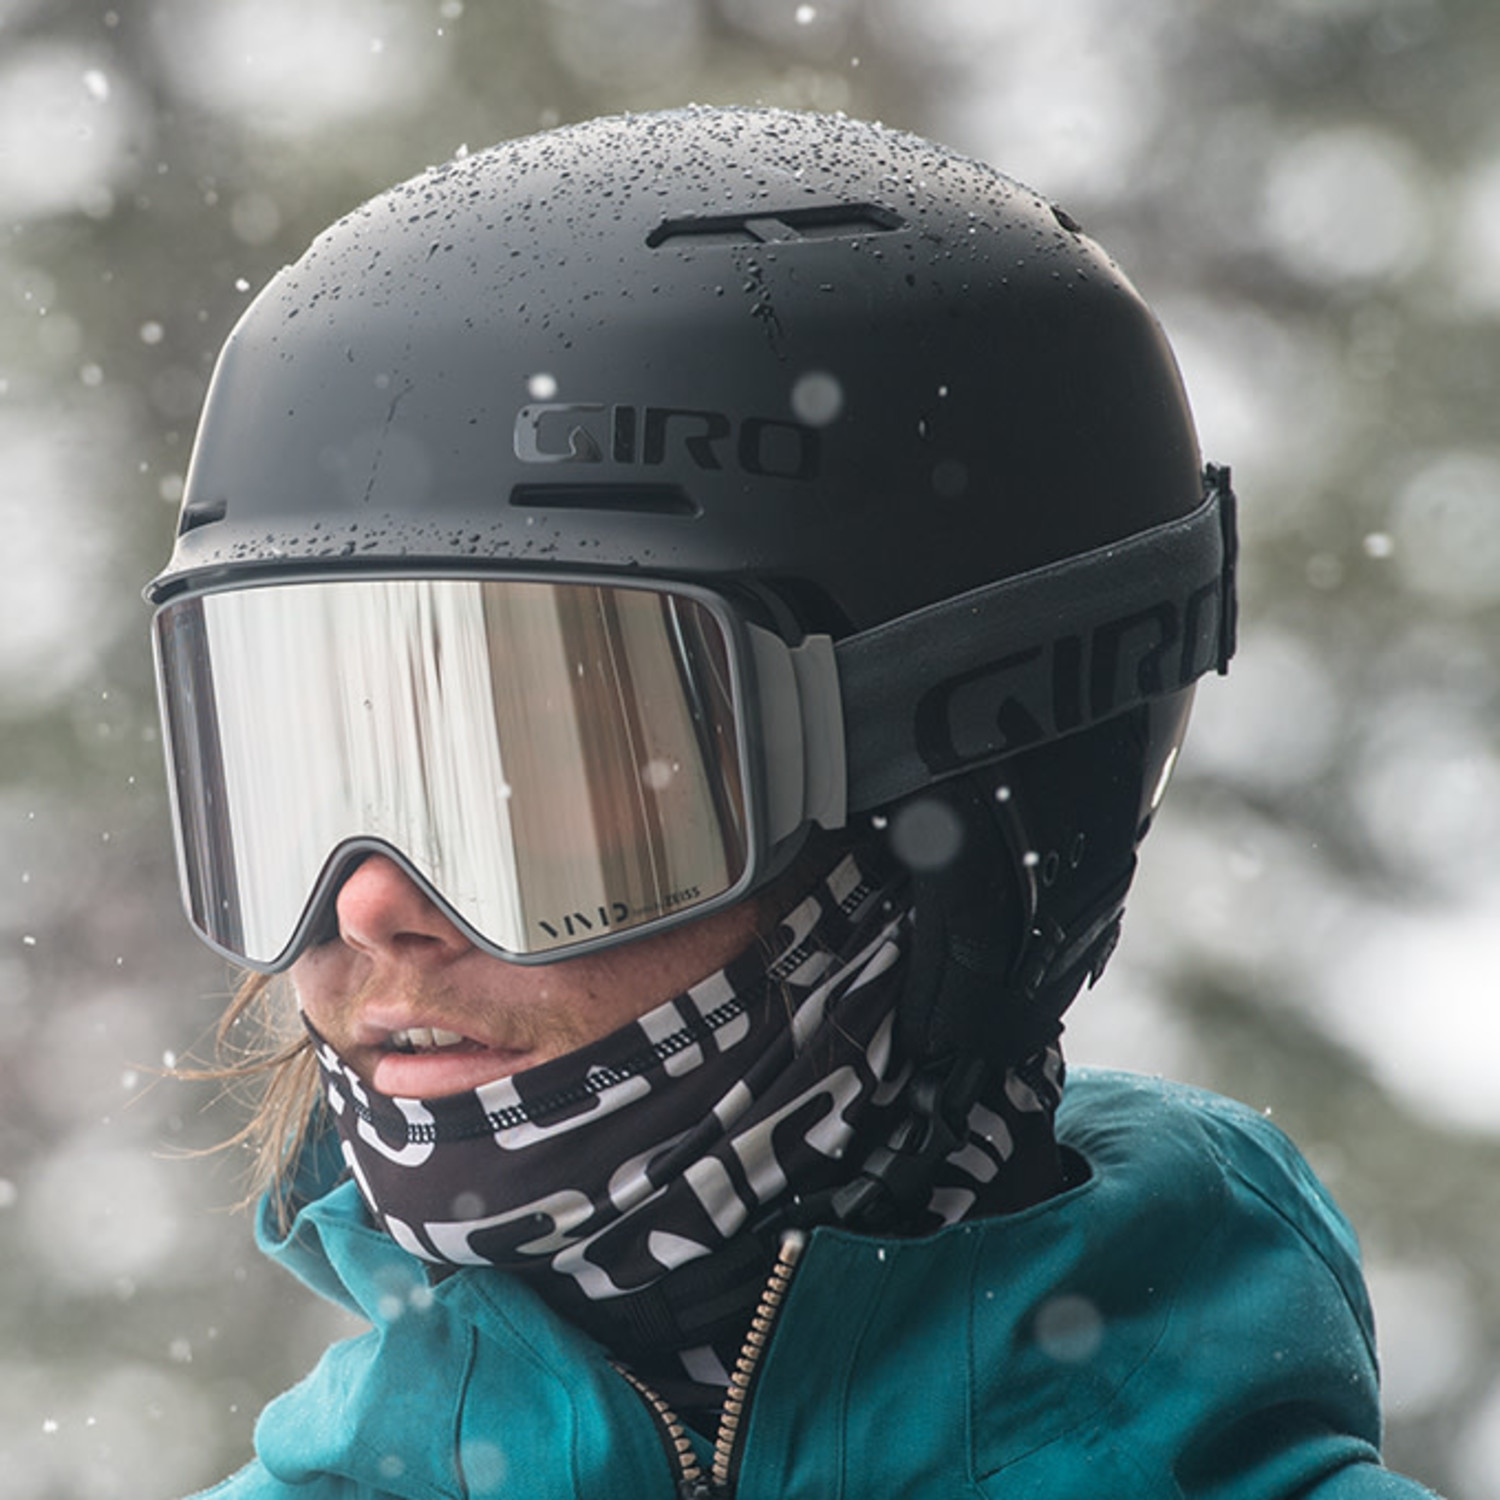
[399,967]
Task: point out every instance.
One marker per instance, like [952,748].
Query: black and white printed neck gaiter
[641,1158]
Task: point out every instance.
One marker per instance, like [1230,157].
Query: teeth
[424,1039]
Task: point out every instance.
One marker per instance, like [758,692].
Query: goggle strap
[1039,656]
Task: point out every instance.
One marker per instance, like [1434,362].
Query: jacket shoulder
[1206,1310]
[1215,1150]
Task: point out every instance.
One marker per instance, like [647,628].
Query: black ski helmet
[842,373]
[719,343]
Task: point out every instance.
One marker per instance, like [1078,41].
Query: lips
[429,1062]
[423,1062]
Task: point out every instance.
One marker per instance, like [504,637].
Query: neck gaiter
[636,1163]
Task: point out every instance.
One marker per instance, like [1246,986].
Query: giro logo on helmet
[586,432]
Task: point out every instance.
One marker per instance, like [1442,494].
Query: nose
[382,912]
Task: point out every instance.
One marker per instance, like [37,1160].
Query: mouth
[427,1062]
[428,1039]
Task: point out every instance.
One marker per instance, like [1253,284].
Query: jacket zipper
[717,1484]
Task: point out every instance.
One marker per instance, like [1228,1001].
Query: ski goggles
[555,763]
[561,763]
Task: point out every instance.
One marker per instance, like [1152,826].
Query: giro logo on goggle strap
[558,432]
[1050,689]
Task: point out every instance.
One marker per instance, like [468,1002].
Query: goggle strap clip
[802,732]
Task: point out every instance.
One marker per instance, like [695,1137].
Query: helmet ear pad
[1025,908]
[970,912]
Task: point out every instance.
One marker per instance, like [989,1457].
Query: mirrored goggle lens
[556,761]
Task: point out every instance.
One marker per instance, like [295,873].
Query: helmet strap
[971,913]
[993,968]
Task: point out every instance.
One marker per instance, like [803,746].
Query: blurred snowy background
[1309,193]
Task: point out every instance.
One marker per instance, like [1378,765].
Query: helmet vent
[828,221]
[648,499]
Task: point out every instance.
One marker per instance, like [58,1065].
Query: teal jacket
[1190,1321]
